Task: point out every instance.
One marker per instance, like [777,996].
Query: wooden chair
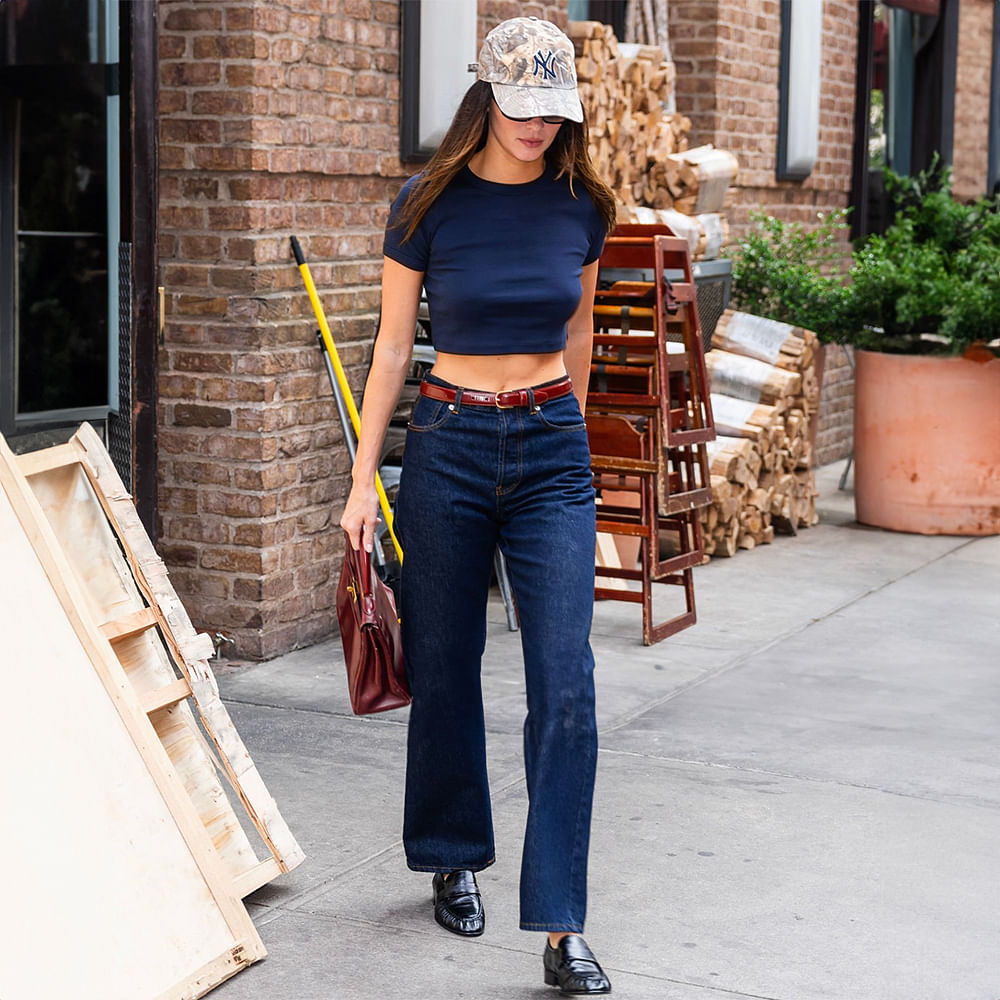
[648,418]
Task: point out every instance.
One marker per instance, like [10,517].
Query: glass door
[59,213]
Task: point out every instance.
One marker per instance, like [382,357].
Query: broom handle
[345,386]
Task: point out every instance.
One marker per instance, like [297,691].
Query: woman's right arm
[390,362]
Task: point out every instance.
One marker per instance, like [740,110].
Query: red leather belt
[502,400]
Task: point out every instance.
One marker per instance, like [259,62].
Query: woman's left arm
[580,336]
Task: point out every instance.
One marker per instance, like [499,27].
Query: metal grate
[713,282]
[119,433]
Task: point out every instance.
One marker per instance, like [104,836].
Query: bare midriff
[499,372]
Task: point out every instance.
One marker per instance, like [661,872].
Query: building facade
[241,123]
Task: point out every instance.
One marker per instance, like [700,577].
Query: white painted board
[103,899]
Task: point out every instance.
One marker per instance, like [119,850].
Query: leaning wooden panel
[79,522]
[93,812]
[189,650]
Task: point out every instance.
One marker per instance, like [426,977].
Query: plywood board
[93,515]
[112,888]
[76,516]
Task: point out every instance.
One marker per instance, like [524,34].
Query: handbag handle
[366,599]
[365,560]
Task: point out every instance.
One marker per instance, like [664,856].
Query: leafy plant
[784,271]
[929,284]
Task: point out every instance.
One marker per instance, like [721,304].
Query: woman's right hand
[360,516]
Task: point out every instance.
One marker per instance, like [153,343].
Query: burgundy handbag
[369,630]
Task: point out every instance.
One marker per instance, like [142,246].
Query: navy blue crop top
[501,262]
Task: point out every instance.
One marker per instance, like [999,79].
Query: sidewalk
[798,798]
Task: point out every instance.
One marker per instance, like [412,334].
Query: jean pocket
[562,414]
[429,414]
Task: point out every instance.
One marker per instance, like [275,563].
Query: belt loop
[457,405]
[532,405]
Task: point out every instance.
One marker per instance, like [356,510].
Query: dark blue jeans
[474,477]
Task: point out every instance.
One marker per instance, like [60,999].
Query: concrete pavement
[798,798]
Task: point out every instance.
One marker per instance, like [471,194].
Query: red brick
[191,415]
[200,473]
[200,17]
[231,560]
[199,529]
[239,18]
[189,74]
[192,361]
[256,535]
[200,247]
[222,102]
[238,504]
[269,477]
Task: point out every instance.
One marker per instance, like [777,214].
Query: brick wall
[972,97]
[728,54]
[276,117]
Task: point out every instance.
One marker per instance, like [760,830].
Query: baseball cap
[530,64]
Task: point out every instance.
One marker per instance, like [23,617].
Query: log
[747,378]
[743,417]
[764,449]
[625,89]
[706,234]
[704,176]
[769,340]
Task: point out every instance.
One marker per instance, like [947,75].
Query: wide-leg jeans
[474,477]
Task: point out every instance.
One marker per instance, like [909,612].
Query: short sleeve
[413,253]
[597,235]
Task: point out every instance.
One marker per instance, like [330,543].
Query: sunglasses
[548,119]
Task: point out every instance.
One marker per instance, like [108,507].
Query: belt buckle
[503,406]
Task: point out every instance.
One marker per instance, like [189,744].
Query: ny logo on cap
[545,64]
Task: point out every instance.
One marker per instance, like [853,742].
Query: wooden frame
[94,809]
[649,417]
[130,596]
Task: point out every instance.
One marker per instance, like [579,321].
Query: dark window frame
[862,110]
[7,250]
[782,171]
[993,167]
[35,428]
[410,150]
[940,132]
[140,195]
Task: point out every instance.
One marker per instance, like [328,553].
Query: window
[58,212]
[905,109]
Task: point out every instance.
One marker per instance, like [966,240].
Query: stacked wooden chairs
[648,419]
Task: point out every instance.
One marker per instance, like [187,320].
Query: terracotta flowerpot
[927,444]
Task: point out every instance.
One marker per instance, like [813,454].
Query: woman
[503,229]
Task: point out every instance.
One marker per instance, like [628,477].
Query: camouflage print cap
[531,66]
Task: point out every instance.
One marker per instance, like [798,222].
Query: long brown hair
[466,135]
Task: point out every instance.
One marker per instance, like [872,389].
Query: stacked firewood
[624,88]
[640,149]
[764,399]
[706,234]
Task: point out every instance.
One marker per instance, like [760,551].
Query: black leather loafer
[458,907]
[572,967]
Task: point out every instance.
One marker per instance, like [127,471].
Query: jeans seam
[447,869]
[502,490]
[574,877]
[572,927]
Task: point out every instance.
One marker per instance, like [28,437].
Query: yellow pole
[345,386]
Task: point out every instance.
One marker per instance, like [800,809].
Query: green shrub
[787,272]
[929,284]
